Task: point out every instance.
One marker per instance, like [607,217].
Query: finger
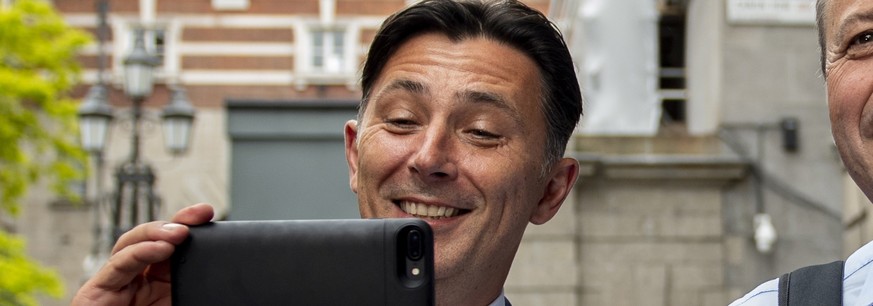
[129,263]
[194,214]
[153,231]
[159,271]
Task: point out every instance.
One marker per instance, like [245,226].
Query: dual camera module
[412,260]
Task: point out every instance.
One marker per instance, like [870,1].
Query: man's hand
[138,271]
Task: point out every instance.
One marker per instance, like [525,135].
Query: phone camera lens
[414,245]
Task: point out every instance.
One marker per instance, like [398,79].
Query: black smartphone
[305,262]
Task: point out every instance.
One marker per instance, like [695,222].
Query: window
[671,43]
[328,51]
[326,54]
[158,40]
[155,43]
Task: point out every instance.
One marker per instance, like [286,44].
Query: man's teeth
[429,211]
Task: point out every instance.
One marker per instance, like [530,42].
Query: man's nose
[434,160]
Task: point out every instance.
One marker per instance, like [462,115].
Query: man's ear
[351,142]
[560,182]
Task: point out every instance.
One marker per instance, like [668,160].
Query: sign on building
[789,12]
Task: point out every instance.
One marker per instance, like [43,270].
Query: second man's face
[849,65]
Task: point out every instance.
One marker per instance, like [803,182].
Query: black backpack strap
[813,285]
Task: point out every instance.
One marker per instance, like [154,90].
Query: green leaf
[38,130]
[21,277]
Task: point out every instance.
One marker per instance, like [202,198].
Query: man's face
[849,64]
[454,134]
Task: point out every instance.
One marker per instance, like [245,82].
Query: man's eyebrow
[402,86]
[852,20]
[470,96]
[407,85]
[490,98]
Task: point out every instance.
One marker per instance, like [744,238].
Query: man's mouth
[422,210]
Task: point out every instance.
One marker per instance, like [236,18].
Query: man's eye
[861,46]
[863,38]
[483,134]
[401,123]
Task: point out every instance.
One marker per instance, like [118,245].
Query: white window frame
[327,56]
[344,72]
[123,40]
[230,5]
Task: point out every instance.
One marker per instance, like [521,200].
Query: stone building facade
[664,218]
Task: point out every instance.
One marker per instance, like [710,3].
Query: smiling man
[446,136]
[845,30]
[467,110]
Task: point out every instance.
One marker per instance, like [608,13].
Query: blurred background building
[708,164]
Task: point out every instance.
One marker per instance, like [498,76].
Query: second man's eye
[861,46]
[864,38]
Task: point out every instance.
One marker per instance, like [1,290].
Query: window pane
[338,42]
[318,49]
[154,42]
[328,50]
[159,44]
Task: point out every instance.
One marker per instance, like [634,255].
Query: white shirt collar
[500,301]
[858,277]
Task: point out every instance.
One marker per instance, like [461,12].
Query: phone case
[305,262]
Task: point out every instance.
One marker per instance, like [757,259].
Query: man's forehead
[497,83]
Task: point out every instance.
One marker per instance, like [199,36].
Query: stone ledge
[656,158]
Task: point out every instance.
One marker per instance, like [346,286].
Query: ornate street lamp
[95,115]
[134,199]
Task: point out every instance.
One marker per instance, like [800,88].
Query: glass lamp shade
[94,131]
[95,114]
[138,68]
[137,80]
[177,134]
[178,117]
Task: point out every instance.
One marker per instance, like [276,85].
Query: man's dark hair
[509,22]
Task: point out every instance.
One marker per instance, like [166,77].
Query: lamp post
[134,199]
[95,116]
